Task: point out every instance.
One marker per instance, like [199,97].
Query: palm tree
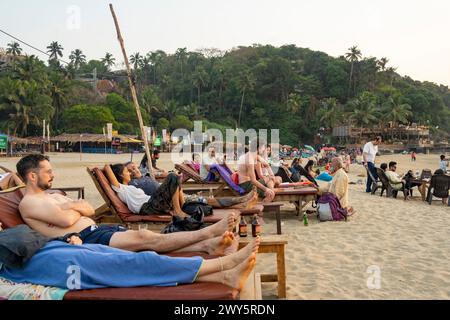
[181,55]
[14,49]
[24,102]
[331,114]
[353,56]
[294,103]
[55,50]
[199,79]
[391,74]
[396,113]
[31,68]
[108,60]
[136,60]
[382,63]
[365,111]
[60,90]
[246,83]
[77,58]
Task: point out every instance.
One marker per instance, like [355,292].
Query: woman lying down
[28,257]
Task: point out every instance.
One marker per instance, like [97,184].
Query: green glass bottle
[305,219]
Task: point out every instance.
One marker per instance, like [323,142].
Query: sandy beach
[406,241]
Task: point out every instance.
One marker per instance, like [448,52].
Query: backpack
[194,207]
[329,208]
[191,223]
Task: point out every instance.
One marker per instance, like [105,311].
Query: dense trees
[296,90]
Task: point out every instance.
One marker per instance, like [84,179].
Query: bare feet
[238,257]
[234,246]
[218,245]
[237,276]
[226,224]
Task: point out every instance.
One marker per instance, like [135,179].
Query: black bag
[192,223]
[193,207]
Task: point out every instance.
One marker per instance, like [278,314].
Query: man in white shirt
[370,151]
[208,160]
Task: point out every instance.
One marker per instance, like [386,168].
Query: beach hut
[95,143]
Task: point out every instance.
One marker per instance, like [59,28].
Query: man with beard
[54,215]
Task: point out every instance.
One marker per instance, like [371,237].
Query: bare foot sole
[237,276]
[238,257]
[233,248]
[220,244]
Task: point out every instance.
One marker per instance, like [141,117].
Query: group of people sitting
[105,254]
[256,170]
[406,182]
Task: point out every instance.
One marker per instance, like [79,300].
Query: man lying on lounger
[101,266]
[246,171]
[54,215]
[143,189]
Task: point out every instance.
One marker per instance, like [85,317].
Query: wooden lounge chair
[439,187]
[299,196]
[115,211]
[192,182]
[10,217]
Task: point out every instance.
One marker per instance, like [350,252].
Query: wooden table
[270,245]
[300,200]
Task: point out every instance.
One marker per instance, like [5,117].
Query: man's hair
[377,138]
[383,166]
[117,169]
[128,163]
[392,163]
[339,161]
[439,171]
[29,163]
[442,157]
[156,152]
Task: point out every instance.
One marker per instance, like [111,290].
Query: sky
[414,35]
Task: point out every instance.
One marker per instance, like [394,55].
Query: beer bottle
[243,227]
[256,227]
[305,219]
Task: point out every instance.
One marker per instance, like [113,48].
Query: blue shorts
[100,234]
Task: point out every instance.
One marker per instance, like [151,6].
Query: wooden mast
[133,92]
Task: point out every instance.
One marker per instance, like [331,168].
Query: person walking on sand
[370,151]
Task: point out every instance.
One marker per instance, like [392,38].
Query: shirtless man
[246,171]
[54,215]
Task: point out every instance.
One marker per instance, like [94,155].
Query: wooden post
[133,91]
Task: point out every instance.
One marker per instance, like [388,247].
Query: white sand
[408,241]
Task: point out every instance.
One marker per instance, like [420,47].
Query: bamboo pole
[133,91]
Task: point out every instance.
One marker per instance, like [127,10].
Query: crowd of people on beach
[65,228]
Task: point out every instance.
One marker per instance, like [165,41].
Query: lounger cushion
[195,291]
[9,209]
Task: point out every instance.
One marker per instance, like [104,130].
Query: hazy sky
[414,35]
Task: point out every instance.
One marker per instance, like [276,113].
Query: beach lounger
[299,195]
[10,217]
[192,182]
[115,211]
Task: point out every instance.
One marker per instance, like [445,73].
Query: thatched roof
[93,138]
